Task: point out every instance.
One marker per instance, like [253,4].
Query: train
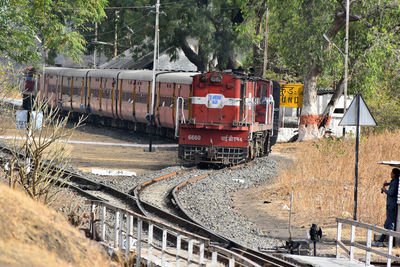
[233,118]
[218,117]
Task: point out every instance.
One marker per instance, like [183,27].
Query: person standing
[391,202]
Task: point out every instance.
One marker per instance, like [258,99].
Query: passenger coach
[117,97]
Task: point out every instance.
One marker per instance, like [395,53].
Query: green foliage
[385,107]
[9,83]
[329,146]
[27,27]
[211,23]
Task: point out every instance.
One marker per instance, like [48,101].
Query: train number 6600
[196,137]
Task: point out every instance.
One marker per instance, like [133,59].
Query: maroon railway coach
[115,97]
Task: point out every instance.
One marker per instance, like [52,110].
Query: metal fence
[368,246]
[154,242]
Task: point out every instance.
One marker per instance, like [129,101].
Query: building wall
[289,118]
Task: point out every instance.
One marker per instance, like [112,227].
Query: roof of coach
[53,70]
[142,75]
[103,73]
[162,76]
[74,72]
[177,77]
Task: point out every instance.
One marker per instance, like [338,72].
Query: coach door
[263,107]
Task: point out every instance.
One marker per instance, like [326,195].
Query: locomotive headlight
[216,79]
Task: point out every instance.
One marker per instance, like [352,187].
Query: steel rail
[259,257]
[180,219]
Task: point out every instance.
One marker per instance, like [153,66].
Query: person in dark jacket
[391,202]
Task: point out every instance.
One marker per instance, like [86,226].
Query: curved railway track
[172,203]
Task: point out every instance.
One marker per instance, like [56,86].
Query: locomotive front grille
[224,155]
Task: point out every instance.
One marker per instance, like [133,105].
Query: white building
[289,118]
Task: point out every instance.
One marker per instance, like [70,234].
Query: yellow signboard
[291,95]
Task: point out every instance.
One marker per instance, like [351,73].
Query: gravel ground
[209,201]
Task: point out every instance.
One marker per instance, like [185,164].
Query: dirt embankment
[35,235]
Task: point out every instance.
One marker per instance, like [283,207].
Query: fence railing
[368,246]
[155,242]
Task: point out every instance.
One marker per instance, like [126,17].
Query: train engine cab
[230,119]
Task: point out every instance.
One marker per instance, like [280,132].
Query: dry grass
[34,235]
[322,179]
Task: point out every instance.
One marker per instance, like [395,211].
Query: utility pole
[346,60]
[116,34]
[266,44]
[95,45]
[153,85]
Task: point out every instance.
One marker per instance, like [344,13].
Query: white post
[390,246]
[150,244]
[93,215]
[139,242]
[128,236]
[103,223]
[202,254]
[352,238]
[214,258]
[164,247]
[190,251]
[338,238]
[368,254]
[178,249]
[232,261]
[116,226]
[121,221]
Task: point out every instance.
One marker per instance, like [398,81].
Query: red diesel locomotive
[231,118]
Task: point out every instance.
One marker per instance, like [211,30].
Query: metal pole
[346,60]
[95,46]
[357,149]
[290,216]
[116,34]
[153,85]
[266,44]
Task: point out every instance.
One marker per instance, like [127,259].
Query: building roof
[125,61]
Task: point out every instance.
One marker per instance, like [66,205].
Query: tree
[297,29]
[211,23]
[39,161]
[27,27]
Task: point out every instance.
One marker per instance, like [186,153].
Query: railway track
[168,199]
[168,208]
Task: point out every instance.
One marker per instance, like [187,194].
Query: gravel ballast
[209,201]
